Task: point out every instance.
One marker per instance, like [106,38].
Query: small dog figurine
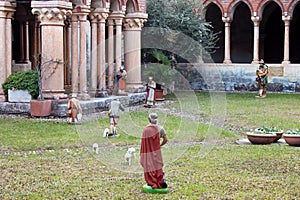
[105,132]
[95,148]
[128,156]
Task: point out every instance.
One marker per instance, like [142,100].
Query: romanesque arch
[116,5]
[264,3]
[294,35]
[234,4]
[214,15]
[208,2]
[272,34]
[132,6]
[241,34]
[291,7]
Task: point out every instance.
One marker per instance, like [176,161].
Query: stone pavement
[245,141]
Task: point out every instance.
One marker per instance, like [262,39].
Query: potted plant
[258,137]
[41,107]
[292,137]
[264,135]
[21,81]
[275,130]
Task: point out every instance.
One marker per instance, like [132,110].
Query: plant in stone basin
[267,130]
[23,80]
[270,130]
[292,137]
[293,132]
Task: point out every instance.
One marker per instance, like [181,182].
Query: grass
[244,111]
[50,160]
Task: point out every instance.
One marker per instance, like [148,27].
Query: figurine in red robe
[150,155]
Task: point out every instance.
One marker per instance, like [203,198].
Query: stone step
[59,107]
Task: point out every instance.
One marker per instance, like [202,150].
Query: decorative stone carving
[134,23]
[286,18]
[256,20]
[99,15]
[226,18]
[51,15]
[7,9]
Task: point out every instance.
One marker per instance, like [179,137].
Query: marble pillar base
[101,93]
[227,62]
[122,93]
[286,62]
[93,93]
[135,88]
[255,62]
[54,95]
[83,96]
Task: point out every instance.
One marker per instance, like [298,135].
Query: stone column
[68,36]
[8,45]
[75,58]
[36,40]
[286,18]
[94,46]
[226,19]
[102,16]
[82,14]
[21,41]
[256,21]
[6,11]
[132,49]
[52,15]
[27,41]
[110,55]
[118,23]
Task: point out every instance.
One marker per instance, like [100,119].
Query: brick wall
[228,6]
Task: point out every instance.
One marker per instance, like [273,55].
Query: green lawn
[55,160]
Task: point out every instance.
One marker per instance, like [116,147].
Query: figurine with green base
[148,189]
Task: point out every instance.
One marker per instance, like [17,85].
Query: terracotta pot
[159,94]
[293,140]
[255,138]
[40,108]
[279,134]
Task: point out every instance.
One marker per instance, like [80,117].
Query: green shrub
[23,80]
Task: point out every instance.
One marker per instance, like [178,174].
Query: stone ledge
[59,108]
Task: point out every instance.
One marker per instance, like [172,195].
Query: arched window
[272,34]
[214,15]
[242,35]
[294,36]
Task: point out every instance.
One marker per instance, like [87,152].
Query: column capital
[286,18]
[118,22]
[255,19]
[99,14]
[53,13]
[74,17]
[116,15]
[110,22]
[102,17]
[135,21]
[226,18]
[7,9]
[82,12]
